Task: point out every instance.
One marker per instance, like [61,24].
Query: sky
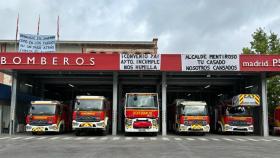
[182,26]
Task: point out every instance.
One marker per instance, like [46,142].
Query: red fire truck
[141,112]
[276,128]
[91,113]
[189,116]
[236,115]
[48,116]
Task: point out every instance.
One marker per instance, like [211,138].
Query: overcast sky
[203,26]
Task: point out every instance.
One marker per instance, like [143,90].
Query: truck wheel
[77,133]
[220,129]
[61,129]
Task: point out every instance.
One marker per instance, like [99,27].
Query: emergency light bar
[90,97]
[246,100]
[189,103]
[45,102]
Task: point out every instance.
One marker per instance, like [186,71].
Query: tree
[267,44]
[260,42]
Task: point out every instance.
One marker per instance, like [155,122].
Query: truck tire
[61,129]
[77,133]
[220,129]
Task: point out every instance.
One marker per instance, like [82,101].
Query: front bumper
[154,128]
[88,125]
[192,128]
[249,129]
[47,128]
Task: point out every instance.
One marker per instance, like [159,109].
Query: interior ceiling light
[29,85]
[71,85]
[189,94]
[207,86]
[249,87]
[220,95]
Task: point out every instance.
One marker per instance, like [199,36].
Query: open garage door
[212,89]
[64,86]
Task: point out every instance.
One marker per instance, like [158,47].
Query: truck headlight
[75,124]
[227,127]
[54,126]
[100,124]
[28,127]
[128,122]
[154,122]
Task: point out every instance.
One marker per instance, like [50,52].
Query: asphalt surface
[172,146]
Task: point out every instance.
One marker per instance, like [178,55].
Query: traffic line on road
[165,139]
[104,138]
[215,139]
[227,139]
[152,138]
[191,139]
[128,138]
[116,138]
[67,138]
[54,138]
[140,138]
[203,139]
[41,138]
[242,140]
[28,138]
[255,140]
[178,139]
[79,138]
[276,140]
[2,138]
[16,138]
[91,138]
[266,140]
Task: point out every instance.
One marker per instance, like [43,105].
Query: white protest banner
[210,62]
[36,43]
[139,61]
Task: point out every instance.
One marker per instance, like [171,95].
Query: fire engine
[276,128]
[236,115]
[91,113]
[141,112]
[48,116]
[189,116]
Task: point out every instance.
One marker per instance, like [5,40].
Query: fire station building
[114,68]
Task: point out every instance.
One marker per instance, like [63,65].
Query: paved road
[69,146]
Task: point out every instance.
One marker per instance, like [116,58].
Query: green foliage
[267,44]
[273,94]
[260,42]
[263,43]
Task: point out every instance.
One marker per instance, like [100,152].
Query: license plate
[142,130]
[196,127]
[38,129]
[87,124]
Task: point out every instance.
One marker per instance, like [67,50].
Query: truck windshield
[194,110]
[237,111]
[42,109]
[85,105]
[142,101]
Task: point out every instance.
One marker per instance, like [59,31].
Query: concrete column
[13,104]
[115,103]
[1,118]
[265,127]
[121,107]
[163,103]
